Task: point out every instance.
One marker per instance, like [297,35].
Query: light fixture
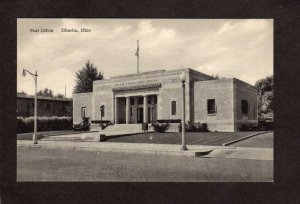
[182,76]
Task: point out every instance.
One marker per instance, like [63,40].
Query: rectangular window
[173,107]
[102,110]
[211,106]
[140,100]
[149,99]
[244,107]
[131,101]
[83,112]
[130,111]
[155,99]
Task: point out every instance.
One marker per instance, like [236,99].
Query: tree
[265,94]
[217,77]
[85,77]
[46,92]
[59,96]
[22,93]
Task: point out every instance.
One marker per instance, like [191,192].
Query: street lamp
[182,79]
[34,136]
[152,116]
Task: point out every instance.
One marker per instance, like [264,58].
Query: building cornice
[44,98]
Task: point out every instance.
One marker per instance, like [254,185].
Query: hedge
[169,121]
[44,124]
[194,127]
[161,127]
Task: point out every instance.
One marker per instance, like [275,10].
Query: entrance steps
[116,130]
[124,128]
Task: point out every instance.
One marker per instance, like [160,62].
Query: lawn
[261,141]
[192,138]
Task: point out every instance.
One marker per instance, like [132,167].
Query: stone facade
[157,95]
[80,101]
[46,106]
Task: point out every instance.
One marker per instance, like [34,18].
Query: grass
[192,138]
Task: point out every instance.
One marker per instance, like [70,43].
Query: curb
[75,133]
[244,138]
[196,153]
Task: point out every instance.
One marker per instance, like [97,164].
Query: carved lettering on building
[130,83]
[102,88]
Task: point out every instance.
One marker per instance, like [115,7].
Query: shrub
[169,121]
[83,126]
[25,125]
[261,126]
[102,123]
[194,127]
[161,127]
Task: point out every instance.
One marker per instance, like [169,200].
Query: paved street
[192,138]
[35,164]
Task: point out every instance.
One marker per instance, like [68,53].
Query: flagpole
[138,55]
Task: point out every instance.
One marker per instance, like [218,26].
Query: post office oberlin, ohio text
[76,30]
[85,30]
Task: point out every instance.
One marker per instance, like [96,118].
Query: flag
[137,49]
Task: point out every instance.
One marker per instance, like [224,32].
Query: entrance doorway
[140,115]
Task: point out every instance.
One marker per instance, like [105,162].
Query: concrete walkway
[167,149]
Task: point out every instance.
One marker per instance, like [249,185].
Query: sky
[231,48]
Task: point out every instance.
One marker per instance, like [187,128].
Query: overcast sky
[230,48]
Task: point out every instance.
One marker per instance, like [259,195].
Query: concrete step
[124,127]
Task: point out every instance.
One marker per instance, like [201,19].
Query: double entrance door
[151,115]
[140,115]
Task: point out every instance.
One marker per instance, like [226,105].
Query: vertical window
[102,110]
[149,99]
[211,106]
[130,111]
[83,112]
[131,101]
[155,99]
[244,107]
[173,107]
[140,100]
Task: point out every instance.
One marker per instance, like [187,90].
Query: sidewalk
[166,149]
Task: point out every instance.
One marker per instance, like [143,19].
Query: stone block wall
[222,92]
[106,100]
[168,93]
[82,100]
[244,91]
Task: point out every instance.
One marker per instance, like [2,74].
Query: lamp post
[35,103]
[152,116]
[182,79]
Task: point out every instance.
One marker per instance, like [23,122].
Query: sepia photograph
[145,100]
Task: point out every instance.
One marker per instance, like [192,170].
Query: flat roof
[44,98]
